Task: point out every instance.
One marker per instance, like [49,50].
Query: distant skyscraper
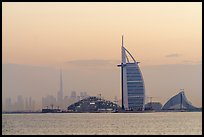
[20,103]
[30,103]
[48,101]
[8,105]
[73,95]
[83,95]
[60,92]
[26,104]
[133,90]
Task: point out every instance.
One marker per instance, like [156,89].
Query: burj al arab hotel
[132,83]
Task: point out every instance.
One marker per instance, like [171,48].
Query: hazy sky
[72,35]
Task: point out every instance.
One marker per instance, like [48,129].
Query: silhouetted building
[83,95]
[48,100]
[66,100]
[8,105]
[26,104]
[60,101]
[20,104]
[73,95]
[33,105]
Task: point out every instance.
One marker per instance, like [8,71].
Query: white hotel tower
[133,89]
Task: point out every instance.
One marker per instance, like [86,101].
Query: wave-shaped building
[179,102]
[133,89]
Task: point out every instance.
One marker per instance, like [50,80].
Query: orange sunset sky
[54,34]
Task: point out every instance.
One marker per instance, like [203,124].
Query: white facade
[133,89]
[178,102]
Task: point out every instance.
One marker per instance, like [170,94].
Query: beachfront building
[178,102]
[133,89]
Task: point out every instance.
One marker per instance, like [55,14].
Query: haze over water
[84,40]
[173,123]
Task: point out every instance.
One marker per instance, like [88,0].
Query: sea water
[103,123]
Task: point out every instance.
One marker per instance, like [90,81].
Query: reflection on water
[103,123]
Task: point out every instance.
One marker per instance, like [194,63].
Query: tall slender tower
[133,89]
[61,85]
[60,92]
[123,62]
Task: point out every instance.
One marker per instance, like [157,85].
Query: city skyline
[84,40]
[28,104]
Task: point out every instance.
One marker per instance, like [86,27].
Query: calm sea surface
[103,123]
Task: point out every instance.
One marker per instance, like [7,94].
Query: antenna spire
[122,41]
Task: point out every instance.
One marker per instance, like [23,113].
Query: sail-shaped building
[179,102]
[132,83]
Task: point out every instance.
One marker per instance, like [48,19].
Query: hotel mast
[132,83]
